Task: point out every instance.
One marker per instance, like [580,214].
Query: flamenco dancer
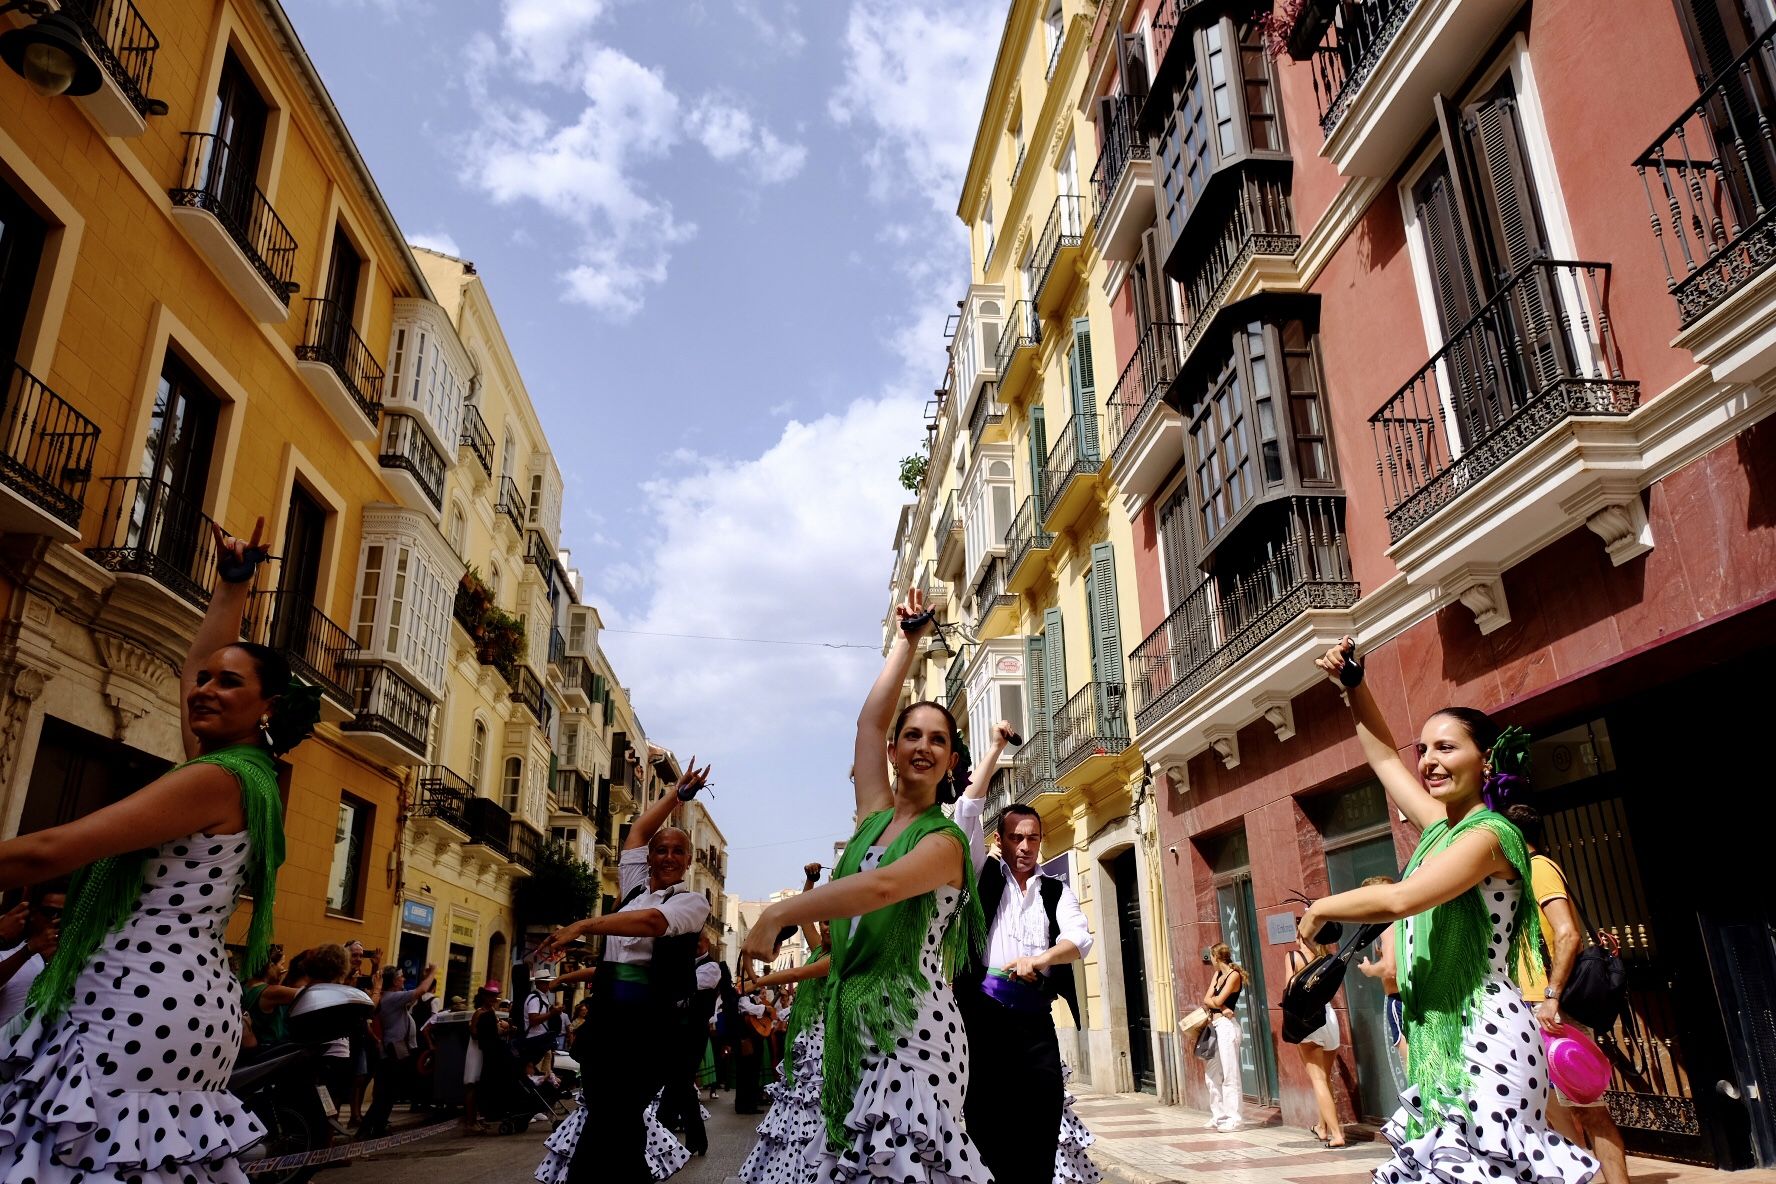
[648,969]
[115,1070]
[1475,1111]
[794,1120]
[895,1064]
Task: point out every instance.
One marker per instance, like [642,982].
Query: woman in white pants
[1222,1070]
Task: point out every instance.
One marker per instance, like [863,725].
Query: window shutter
[1497,176]
[1106,630]
[1131,61]
[1054,667]
[1039,461]
[1085,393]
[1033,669]
[1177,548]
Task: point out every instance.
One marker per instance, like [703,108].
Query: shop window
[345,882]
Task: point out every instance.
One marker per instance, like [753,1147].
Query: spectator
[394,1075]
[35,925]
[542,1022]
[1385,966]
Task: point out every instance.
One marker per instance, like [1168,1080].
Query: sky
[721,239]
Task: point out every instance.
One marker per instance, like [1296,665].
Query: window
[345,880]
[536,499]
[565,834]
[22,234]
[478,755]
[369,590]
[1222,450]
[405,596]
[987,234]
[238,122]
[570,745]
[1177,550]
[512,785]
[507,451]
[493,581]
[576,634]
[457,528]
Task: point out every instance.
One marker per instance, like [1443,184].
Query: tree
[912,470]
[560,889]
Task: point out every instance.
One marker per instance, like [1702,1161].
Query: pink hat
[1576,1065]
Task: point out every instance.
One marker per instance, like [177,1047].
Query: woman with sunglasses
[38,921]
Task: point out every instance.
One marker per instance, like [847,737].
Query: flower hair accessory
[1509,756]
[294,718]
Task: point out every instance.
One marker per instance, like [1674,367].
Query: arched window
[512,788]
[493,581]
[508,450]
[457,529]
[478,756]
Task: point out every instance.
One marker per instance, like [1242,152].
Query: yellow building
[201,292]
[1018,538]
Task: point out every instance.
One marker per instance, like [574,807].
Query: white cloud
[783,34]
[546,33]
[730,132]
[436,240]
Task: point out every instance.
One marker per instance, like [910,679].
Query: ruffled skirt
[794,1122]
[665,1154]
[1072,1164]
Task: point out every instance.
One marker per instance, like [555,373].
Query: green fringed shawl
[105,892]
[875,983]
[1444,968]
[810,1001]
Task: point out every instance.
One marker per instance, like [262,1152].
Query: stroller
[506,1095]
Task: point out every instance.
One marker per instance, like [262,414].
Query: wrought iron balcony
[1120,143]
[476,437]
[988,413]
[1350,45]
[1710,181]
[1025,539]
[538,553]
[950,540]
[445,796]
[1537,353]
[1227,616]
[1072,460]
[1055,250]
[509,503]
[955,691]
[995,604]
[387,705]
[490,826]
[121,42]
[527,690]
[46,453]
[1260,221]
[1018,339]
[152,531]
[1091,723]
[577,677]
[1143,384]
[317,648]
[573,792]
[557,648]
[524,845]
[217,182]
[414,465]
[467,611]
[1033,775]
[1000,792]
[331,341]
[1054,56]
[935,589]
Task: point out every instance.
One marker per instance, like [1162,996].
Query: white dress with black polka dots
[906,1120]
[794,1120]
[1502,1136]
[665,1154]
[1072,1163]
[127,1086]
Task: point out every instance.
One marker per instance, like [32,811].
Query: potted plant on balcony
[500,641]
[1295,27]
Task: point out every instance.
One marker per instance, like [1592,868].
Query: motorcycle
[280,1084]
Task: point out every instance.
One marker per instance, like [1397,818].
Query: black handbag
[1596,991]
[1305,997]
[1207,1043]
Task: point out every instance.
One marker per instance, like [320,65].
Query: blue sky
[721,238]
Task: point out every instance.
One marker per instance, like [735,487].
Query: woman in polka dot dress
[1475,1111]
[895,1061]
[116,1069]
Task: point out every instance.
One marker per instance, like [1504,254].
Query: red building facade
[1446,324]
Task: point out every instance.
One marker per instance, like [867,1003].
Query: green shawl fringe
[105,892]
[875,984]
[1444,969]
[810,1001]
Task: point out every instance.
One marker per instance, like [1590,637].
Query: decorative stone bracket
[1279,712]
[1225,742]
[1481,589]
[135,681]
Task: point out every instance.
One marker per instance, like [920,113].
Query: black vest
[1058,982]
[672,974]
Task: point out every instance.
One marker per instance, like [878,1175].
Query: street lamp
[49,55]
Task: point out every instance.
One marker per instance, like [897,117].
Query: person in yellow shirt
[1588,1125]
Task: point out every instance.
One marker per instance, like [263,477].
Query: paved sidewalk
[1140,1141]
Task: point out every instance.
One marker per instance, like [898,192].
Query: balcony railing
[935,589]
[1710,181]
[445,796]
[527,690]
[510,503]
[150,530]
[1000,792]
[1022,328]
[1538,352]
[332,341]
[538,553]
[1119,142]
[467,611]
[557,647]
[1054,56]
[577,675]
[988,412]
[1260,222]
[1073,455]
[317,647]
[490,826]
[216,181]
[1143,384]
[1017,170]
[121,41]
[46,447]
[1091,723]
[1227,617]
[1033,775]
[389,705]
[955,691]
[1064,230]
[990,590]
[524,845]
[1359,32]
[1025,533]
[406,447]
[573,792]
[476,437]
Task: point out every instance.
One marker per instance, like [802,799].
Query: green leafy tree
[560,889]
[912,470]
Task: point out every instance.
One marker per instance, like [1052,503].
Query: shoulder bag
[1596,991]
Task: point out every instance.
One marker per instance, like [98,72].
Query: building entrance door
[1378,1093]
[77,772]
[1230,857]
[1134,971]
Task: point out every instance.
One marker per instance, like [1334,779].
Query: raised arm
[1402,784]
[971,807]
[869,757]
[236,562]
[655,816]
[1441,878]
[795,974]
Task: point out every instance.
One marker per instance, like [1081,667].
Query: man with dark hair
[1034,929]
[1587,1124]
[395,1072]
[38,920]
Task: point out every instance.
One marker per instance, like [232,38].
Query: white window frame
[512,787]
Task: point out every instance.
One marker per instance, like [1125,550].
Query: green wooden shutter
[1054,667]
[1085,393]
[1039,463]
[1033,661]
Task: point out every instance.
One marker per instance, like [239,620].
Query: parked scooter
[281,1085]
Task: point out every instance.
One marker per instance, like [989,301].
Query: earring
[265,731]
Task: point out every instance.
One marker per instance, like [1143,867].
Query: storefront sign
[462,932]
[1280,928]
[416,917]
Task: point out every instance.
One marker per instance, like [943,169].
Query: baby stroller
[507,1096]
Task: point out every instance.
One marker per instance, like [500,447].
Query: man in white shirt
[647,970]
[1034,930]
[41,917]
[540,1009]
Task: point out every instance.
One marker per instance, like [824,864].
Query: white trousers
[1223,1072]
